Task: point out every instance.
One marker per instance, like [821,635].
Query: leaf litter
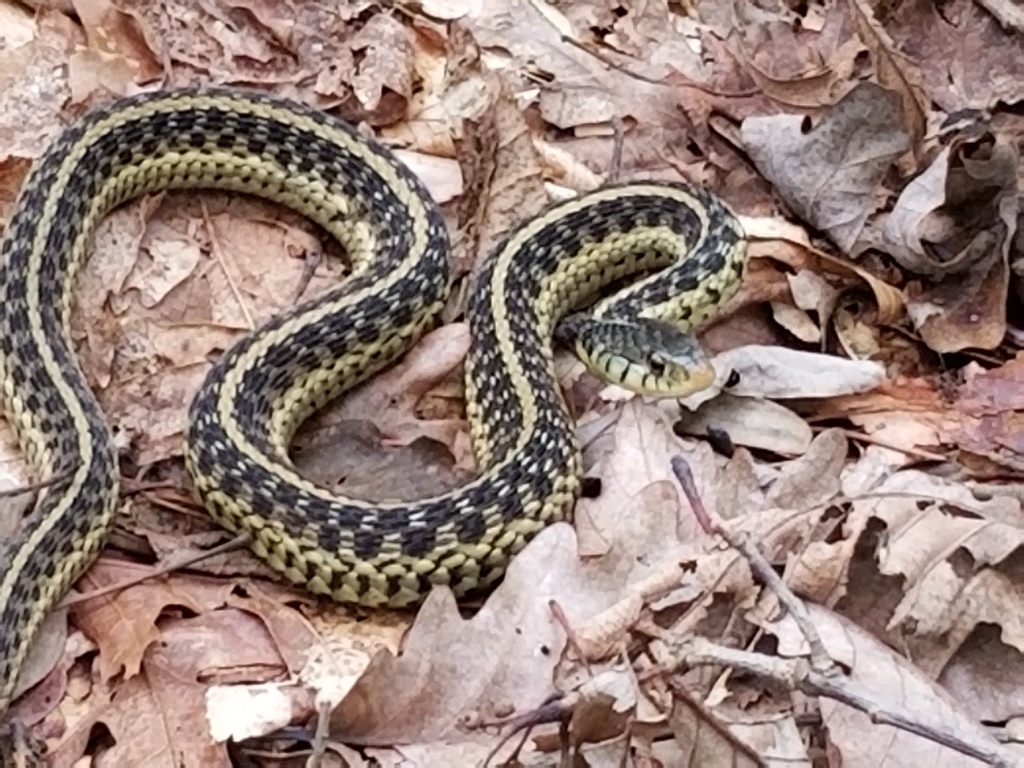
[839,585]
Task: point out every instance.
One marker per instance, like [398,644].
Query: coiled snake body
[246,412]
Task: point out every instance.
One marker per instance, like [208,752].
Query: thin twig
[871,440]
[819,656]
[309,265]
[21,490]
[553,710]
[570,635]
[618,139]
[238,542]
[678,82]
[319,743]
[218,254]
[797,674]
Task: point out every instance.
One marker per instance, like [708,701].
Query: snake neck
[556,263]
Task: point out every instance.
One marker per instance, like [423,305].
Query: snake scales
[243,418]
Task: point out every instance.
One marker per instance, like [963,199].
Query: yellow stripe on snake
[245,414]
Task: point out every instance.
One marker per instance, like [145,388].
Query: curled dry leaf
[955,223]
[959,214]
[889,298]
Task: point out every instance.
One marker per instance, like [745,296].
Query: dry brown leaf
[386,50]
[92,72]
[157,717]
[116,46]
[830,173]
[124,625]
[892,71]
[797,322]
[602,707]
[812,478]
[966,59]
[391,399]
[507,182]
[375,443]
[795,65]
[589,92]
[926,537]
[181,292]
[811,293]
[987,417]
[32,99]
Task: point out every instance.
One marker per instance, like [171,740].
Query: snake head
[646,356]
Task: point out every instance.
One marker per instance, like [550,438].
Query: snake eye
[657,365]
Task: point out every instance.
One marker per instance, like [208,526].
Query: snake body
[243,418]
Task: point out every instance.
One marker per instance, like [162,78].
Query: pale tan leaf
[751,422]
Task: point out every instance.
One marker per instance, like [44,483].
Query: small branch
[820,675]
[176,565]
[618,139]
[819,656]
[218,254]
[10,493]
[319,743]
[570,635]
[872,440]
[797,674]
[309,265]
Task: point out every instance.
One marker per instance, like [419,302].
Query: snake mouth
[643,355]
[660,380]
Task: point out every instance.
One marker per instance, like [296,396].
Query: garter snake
[257,394]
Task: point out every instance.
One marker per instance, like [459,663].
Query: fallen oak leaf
[830,172]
